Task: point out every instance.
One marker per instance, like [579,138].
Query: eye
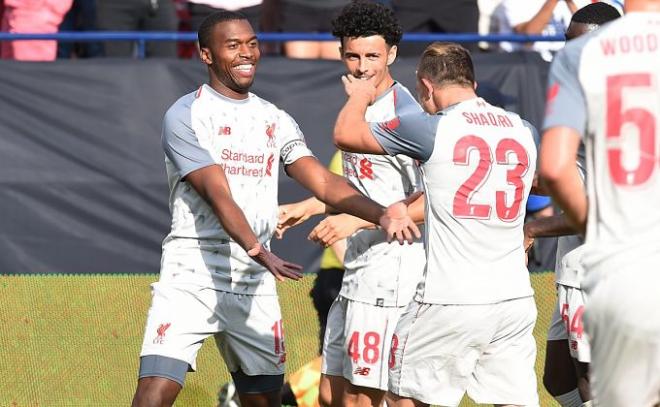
[232,45]
[253,44]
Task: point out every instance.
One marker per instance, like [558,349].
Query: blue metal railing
[142,37]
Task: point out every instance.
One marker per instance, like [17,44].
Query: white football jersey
[568,244]
[478,163]
[615,108]
[377,272]
[248,139]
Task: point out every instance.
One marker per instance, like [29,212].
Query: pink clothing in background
[32,16]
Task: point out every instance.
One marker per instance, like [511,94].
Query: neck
[452,94]
[641,5]
[222,89]
[384,86]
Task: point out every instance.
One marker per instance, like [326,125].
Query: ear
[475,85]
[428,86]
[205,56]
[391,54]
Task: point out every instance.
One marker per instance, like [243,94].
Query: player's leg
[574,300]
[252,346]
[331,390]
[624,338]
[559,377]
[504,374]
[156,391]
[434,351]
[177,324]
[359,396]
[396,401]
[369,331]
[332,368]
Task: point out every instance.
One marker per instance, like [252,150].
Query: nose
[362,67]
[246,51]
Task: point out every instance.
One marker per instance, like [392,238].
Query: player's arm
[337,192]
[352,132]
[335,228]
[293,214]
[547,226]
[560,173]
[564,124]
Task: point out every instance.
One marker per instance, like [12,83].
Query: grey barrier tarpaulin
[82,178]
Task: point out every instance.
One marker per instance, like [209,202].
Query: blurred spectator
[312,16]
[31,16]
[81,17]
[200,9]
[486,9]
[137,15]
[433,16]
[534,17]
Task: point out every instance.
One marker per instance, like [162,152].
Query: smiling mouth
[244,69]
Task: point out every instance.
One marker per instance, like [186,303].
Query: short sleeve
[292,140]
[411,134]
[181,144]
[566,105]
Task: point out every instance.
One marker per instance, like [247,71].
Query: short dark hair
[206,28]
[364,19]
[447,63]
[596,14]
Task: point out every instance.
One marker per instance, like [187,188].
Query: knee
[148,398]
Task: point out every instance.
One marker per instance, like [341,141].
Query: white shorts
[571,304]
[358,341]
[247,328]
[557,329]
[487,350]
[623,322]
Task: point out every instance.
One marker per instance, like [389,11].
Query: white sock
[589,403]
[570,399]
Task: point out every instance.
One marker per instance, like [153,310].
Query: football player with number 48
[469,327]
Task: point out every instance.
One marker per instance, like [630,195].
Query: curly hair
[365,18]
[205,32]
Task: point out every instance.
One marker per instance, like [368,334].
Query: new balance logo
[224,131]
[362,371]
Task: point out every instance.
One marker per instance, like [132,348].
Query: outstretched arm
[211,184]
[549,226]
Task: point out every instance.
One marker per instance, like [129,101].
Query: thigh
[367,343]
[434,351]
[333,343]
[179,320]
[572,301]
[253,339]
[505,371]
[625,344]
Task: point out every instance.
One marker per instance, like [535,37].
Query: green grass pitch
[70,340]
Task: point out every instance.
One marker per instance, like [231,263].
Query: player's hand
[360,87]
[334,228]
[398,225]
[279,268]
[288,216]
